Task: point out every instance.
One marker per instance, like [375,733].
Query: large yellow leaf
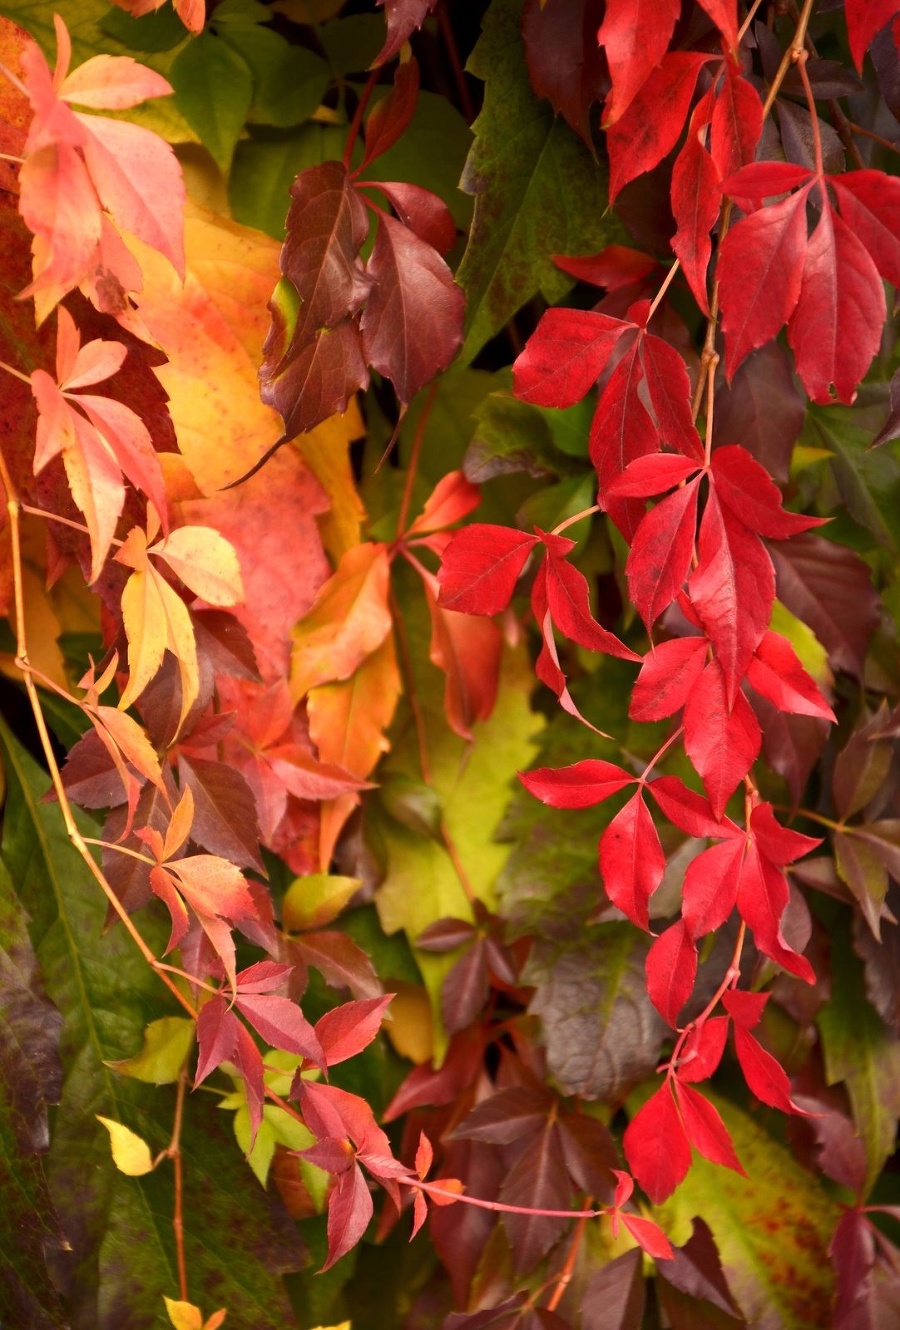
[349,620]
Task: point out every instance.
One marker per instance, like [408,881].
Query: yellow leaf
[130,1152]
[205,562]
[213,328]
[410,1028]
[349,620]
[326,451]
[156,619]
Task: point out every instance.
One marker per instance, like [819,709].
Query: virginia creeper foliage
[450,667]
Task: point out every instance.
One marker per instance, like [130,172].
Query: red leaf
[580,785]
[248,1061]
[865,19]
[651,126]
[631,860]
[722,742]
[695,203]
[452,498]
[703,1050]
[724,14]
[750,494]
[648,1236]
[467,649]
[852,1250]
[688,810]
[349,1211]
[615,267]
[761,180]
[732,590]
[760,271]
[412,322]
[669,388]
[711,886]
[705,1128]
[348,1029]
[652,474]
[481,566]
[635,35]
[391,116]
[869,203]
[835,329]
[282,1024]
[779,844]
[656,1146]
[465,989]
[341,962]
[403,18]
[568,603]
[420,210]
[745,1009]
[736,123]
[668,675]
[621,430]
[762,900]
[565,356]
[671,971]
[217,1028]
[765,1077]
[776,673]
[660,557]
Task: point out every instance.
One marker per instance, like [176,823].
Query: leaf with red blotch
[711,886]
[653,123]
[765,1077]
[348,1029]
[703,1050]
[632,862]
[706,1131]
[736,123]
[695,202]
[732,590]
[563,58]
[390,117]
[403,18]
[776,673]
[349,1211]
[656,1146]
[750,494]
[468,650]
[669,672]
[722,742]
[671,971]
[580,785]
[660,557]
[421,211]
[865,19]
[830,588]
[689,811]
[412,321]
[567,596]
[480,568]
[565,356]
[635,35]
[760,272]
[312,354]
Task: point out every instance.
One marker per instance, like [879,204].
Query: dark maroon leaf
[423,212]
[465,989]
[762,410]
[830,588]
[506,1116]
[349,1211]
[90,776]
[564,61]
[224,639]
[539,1179]
[390,118]
[590,1153]
[446,935]
[224,811]
[882,962]
[460,1232]
[403,18]
[891,427]
[853,1252]
[614,1297]
[341,962]
[412,321]
[695,1269]
[862,766]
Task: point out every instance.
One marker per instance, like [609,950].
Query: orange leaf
[156,619]
[349,620]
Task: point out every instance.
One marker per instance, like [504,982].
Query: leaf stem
[578,517]
[742,30]
[790,57]
[415,454]
[459,76]
[173,1151]
[16,373]
[802,58]
[667,282]
[356,123]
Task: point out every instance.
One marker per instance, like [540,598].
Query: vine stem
[790,57]
[75,836]
[414,456]
[578,517]
[731,974]
[801,63]
[10,369]
[667,282]
[173,1152]
[564,1277]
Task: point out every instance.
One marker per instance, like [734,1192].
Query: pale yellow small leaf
[184,1315]
[130,1152]
[206,563]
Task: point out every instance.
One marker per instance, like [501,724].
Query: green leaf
[867,481]
[288,81]
[213,89]
[316,900]
[772,1228]
[860,1051]
[601,1031]
[352,43]
[159,30]
[537,190]
[30,1078]
[264,167]
[510,436]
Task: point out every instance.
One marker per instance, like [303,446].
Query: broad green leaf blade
[772,1228]
[537,191]
[860,1051]
[213,88]
[30,1078]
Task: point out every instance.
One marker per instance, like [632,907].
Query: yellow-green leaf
[130,1152]
[167,1043]
[315,900]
